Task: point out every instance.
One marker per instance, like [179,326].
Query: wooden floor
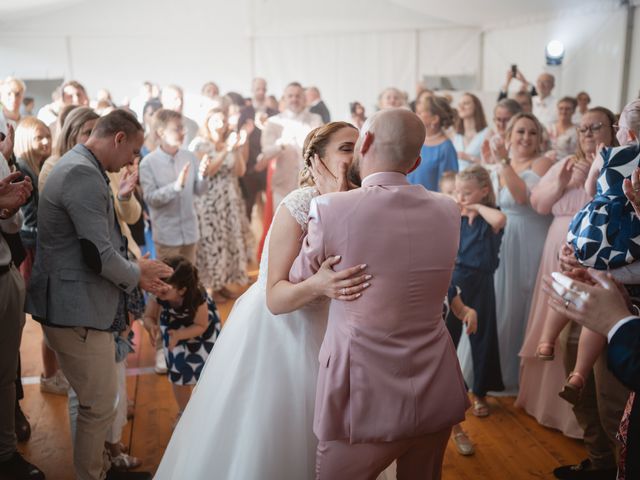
[509,444]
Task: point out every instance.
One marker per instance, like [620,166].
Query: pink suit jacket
[388,367]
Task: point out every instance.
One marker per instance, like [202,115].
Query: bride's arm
[284,296]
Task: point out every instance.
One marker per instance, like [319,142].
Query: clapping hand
[602,304]
[631,188]
[565,173]
[498,147]
[6,143]
[205,163]
[151,274]
[14,192]
[128,181]
[184,173]
[325,181]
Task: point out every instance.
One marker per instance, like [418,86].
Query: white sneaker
[161,363]
[56,384]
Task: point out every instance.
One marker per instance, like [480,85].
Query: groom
[389,385]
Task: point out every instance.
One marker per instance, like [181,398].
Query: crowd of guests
[187,192]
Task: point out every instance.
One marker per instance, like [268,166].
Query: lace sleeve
[298,203]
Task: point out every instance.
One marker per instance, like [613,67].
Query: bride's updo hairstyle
[316,143]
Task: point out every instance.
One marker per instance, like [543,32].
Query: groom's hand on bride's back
[347,284]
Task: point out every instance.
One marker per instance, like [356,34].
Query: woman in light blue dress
[520,168]
[471,130]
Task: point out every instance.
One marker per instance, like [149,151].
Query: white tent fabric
[350,49]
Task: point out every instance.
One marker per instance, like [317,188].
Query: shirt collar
[385,178]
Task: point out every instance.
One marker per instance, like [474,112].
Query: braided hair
[316,144]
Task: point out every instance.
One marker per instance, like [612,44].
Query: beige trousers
[12,294]
[88,360]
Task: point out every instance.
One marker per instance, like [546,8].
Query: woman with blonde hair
[560,192]
[438,153]
[32,146]
[77,125]
[520,167]
[260,378]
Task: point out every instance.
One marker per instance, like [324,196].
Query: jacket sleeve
[87,203]
[312,253]
[623,354]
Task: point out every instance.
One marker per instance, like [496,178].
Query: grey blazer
[81,266]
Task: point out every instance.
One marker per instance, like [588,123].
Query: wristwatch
[505,161]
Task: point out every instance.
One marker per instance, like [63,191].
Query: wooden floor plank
[509,443]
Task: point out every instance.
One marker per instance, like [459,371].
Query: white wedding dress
[251,414]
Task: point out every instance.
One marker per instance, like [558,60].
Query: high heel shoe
[570,392]
[545,356]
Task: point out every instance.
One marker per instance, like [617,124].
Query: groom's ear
[366,143]
[415,165]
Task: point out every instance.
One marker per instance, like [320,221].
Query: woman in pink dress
[560,192]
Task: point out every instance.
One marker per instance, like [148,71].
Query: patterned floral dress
[186,360]
[222,252]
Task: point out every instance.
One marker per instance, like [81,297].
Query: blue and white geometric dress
[186,360]
[605,234]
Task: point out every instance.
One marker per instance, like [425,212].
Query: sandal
[463,444]
[480,408]
[545,356]
[570,392]
[124,462]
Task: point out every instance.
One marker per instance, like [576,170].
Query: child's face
[173,133]
[448,187]
[469,192]
[172,295]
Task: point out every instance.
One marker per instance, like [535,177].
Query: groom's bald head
[392,138]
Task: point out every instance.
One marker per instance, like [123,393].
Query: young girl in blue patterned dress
[604,235]
[189,324]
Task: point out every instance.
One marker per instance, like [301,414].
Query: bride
[250,416]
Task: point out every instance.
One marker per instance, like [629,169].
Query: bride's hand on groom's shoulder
[327,182]
[347,284]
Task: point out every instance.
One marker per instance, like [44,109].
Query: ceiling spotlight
[554,52]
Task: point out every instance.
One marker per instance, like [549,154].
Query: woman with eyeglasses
[560,192]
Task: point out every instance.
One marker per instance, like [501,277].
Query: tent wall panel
[593,62]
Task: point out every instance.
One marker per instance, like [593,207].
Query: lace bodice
[298,203]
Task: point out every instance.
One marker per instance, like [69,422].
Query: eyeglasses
[593,128]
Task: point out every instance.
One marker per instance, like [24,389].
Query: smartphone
[514,69]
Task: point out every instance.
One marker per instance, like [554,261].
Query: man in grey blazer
[81,276]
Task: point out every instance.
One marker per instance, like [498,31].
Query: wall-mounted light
[554,52]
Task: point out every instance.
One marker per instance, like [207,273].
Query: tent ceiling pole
[628,46]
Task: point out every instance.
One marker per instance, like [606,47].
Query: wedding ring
[566,303]
[344,291]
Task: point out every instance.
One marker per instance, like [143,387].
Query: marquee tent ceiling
[344,14]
